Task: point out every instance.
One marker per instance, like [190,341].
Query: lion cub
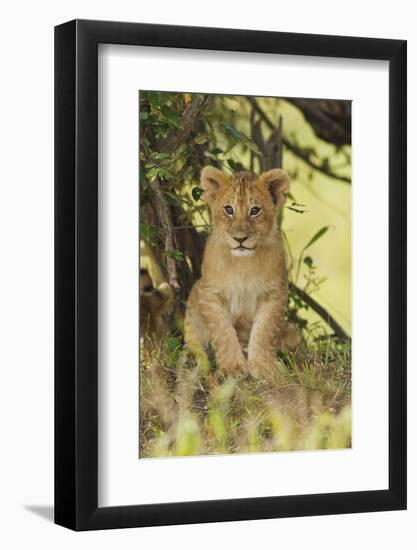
[239,304]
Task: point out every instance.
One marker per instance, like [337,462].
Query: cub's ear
[277,182]
[211,181]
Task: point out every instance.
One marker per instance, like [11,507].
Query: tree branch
[164,217]
[298,151]
[321,311]
[169,145]
[330,119]
[193,110]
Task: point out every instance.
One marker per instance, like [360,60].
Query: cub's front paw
[260,363]
[290,337]
[237,365]
[265,367]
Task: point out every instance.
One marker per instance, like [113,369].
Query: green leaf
[239,136]
[181,151]
[143,115]
[196,193]
[298,210]
[297,207]
[159,156]
[216,151]
[172,343]
[176,254]
[200,140]
[317,236]
[153,98]
[152,173]
[249,143]
[165,174]
[148,232]
[216,164]
[231,131]
[232,164]
[166,162]
[308,260]
[171,198]
[171,116]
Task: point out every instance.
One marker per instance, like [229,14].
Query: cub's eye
[228,210]
[254,211]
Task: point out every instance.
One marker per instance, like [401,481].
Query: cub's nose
[240,240]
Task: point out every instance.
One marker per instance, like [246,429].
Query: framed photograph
[230,246]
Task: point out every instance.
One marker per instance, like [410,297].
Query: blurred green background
[328,203]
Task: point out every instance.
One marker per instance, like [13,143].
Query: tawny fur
[239,304]
[155,306]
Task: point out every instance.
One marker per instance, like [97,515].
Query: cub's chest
[242,296]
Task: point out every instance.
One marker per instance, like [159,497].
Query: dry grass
[184,411]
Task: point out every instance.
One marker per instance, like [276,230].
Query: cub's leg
[195,332]
[265,338]
[208,314]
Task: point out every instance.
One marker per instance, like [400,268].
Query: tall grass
[185,411]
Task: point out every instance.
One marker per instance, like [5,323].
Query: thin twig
[205,225]
[321,311]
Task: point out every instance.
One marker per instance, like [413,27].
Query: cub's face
[244,206]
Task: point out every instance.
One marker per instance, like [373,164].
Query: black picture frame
[76,272]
